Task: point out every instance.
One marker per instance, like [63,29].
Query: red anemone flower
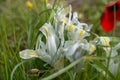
[111,13]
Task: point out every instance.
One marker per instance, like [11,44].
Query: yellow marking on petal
[63,20]
[70,27]
[29,4]
[32,54]
[92,48]
[46,30]
[81,32]
[106,43]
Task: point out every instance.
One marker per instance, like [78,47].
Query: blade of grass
[14,69]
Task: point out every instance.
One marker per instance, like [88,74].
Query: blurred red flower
[111,13]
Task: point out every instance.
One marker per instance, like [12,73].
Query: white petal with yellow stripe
[27,54]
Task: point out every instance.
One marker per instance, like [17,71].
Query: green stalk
[55,1]
[13,71]
[63,70]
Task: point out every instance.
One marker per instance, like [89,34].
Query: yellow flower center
[32,54]
[29,4]
[70,27]
[46,30]
[81,32]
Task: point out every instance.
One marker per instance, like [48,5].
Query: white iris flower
[114,64]
[112,52]
[105,42]
[90,47]
[56,47]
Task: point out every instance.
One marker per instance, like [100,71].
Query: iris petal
[27,54]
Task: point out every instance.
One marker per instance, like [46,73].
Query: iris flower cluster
[67,39]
